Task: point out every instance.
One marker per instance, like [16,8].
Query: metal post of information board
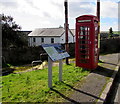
[49,72]
[60,70]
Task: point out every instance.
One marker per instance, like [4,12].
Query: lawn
[116,32]
[33,86]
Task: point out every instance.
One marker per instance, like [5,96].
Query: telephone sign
[86,47]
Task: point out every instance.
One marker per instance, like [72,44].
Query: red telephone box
[86,47]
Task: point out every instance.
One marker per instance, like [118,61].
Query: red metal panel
[86,49]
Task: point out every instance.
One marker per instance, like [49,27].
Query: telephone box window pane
[84,42]
[88,31]
[84,32]
[84,52]
[82,45]
[84,56]
[84,61]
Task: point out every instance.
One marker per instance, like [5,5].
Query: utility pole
[98,15]
[66,29]
[98,9]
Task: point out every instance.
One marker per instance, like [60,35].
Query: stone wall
[22,55]
[110,46]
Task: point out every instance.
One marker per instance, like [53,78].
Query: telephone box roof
[88,16]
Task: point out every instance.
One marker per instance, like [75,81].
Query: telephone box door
[84,45]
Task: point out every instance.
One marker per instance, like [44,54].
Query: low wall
[110,46]
[106,46]
[22,55]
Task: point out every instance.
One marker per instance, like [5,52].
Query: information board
[55,51]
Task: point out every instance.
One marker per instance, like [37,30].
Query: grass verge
[33,86]
[14,69]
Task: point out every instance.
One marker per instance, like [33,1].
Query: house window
[42,40]
[52,40]
[34,40]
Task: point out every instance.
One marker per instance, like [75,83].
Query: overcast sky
[31,14]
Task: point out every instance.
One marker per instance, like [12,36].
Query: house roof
[73,31]
[47,32]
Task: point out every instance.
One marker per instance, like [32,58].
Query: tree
[10,34]
[110,32]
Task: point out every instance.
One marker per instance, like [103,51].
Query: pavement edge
[109,84]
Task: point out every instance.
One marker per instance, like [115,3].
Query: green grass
[20,68]
[116,32]
[33,86]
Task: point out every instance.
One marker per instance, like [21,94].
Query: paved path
[95,82]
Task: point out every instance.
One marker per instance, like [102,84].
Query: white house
[49,35]
[73,32]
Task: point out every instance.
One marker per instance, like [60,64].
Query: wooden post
[60,70]
[98,15]
[66,29]
[49,72]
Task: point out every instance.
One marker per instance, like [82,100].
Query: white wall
[70,38]
[47,40]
